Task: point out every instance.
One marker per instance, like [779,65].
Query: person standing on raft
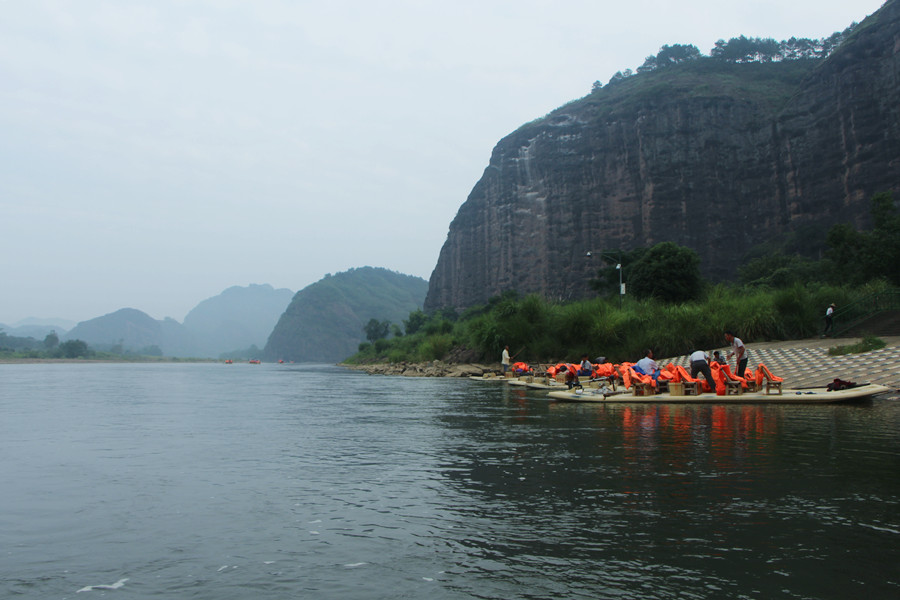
[700,364]
[504,360]
[738,351]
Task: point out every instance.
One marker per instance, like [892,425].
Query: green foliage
[607,281]
[676,53]
[51,341]
[74,349]
[435,347]
[779,270]
[668,272]
[376,330]
[867,344]
[414,323]
[859,257]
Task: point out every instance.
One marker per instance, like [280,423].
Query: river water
[297,481]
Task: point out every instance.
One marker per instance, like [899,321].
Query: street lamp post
[618,260]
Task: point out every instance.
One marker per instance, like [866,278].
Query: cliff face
[711,155]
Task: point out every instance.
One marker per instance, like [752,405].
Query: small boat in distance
[254,361]
[228,361]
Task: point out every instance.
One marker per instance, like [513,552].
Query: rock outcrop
[712,155]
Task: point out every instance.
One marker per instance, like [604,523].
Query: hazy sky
[156,152]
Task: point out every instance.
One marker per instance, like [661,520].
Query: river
[242,481]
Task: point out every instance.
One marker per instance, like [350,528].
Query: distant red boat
[255,361]
[229,362]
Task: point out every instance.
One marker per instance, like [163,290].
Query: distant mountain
[128,327]
[37,328]
[54,323]
[237,318]
[324,322]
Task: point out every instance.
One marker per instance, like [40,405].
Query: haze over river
[245,481]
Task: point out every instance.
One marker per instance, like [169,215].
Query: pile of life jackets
[721,375]
[669,373]
[520,368]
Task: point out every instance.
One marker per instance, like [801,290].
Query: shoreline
[802,363]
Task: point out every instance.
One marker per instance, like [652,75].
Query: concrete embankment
[802,363]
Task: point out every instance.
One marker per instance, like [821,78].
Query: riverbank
[802,363]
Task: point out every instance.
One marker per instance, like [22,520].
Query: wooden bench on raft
[639,388]
[773,382]
[687,386]
[734,386]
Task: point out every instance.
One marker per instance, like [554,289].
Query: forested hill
[758,142]
[325,321]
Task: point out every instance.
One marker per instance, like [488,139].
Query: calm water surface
[289,481]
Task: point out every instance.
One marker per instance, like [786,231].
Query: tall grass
[540,331]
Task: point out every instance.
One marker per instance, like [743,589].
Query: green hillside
[324,321]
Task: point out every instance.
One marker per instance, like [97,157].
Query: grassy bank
[540,331]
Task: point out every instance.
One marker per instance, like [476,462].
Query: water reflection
[637,499]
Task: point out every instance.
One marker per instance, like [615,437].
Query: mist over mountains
[238,318]
[323,322]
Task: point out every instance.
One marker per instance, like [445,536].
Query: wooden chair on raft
[691,385]
[641,385]
[750,380]
[773,382]
[734,385]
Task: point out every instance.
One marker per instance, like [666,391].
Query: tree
[74,349]
[779,270]
[414,323]
[51,341]
[607,281]
[675,54]
[668,272]
[376,330]
[859,257]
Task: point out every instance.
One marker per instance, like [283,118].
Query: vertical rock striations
[712,155]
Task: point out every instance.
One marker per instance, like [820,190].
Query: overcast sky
[156,152]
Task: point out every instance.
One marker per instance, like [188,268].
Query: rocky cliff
[712,155]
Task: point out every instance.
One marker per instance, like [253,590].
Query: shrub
[867,344]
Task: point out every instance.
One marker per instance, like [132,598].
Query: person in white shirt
[647,365]
[739,352]
[829,319]
[504,360]
[700,364]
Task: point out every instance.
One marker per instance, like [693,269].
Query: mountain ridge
[715,156]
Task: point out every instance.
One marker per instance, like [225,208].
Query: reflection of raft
[788,396]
